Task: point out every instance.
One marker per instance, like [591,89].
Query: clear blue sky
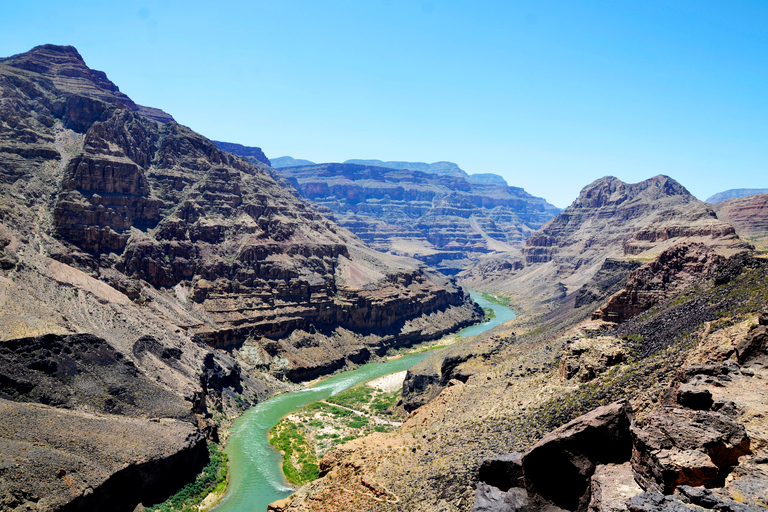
[550,95]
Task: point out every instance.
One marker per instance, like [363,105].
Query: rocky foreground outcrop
[702,436]
[132,249]
[609,219]
[444,220]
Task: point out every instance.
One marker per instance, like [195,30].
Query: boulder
[503,472]
[560,466]
[694,397]
[675,447]
[492,499]
[754,343]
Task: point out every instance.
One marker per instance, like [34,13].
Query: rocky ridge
[120,225]
[609,219]
[735,193]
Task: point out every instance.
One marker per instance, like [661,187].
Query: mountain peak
[66,68]
[610,190]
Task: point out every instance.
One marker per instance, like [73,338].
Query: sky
[549,95]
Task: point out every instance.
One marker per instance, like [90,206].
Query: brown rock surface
[443,220]
[749,215]
[91,462]
[560,466]
[670,272]
[611,486]
[609,219]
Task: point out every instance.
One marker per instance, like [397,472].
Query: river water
[255,468]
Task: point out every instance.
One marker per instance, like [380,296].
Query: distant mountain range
[288,161]
[735,193]
[440,168]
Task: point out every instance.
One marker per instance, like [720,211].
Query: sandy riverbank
[389,383]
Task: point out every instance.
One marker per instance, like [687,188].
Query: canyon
[193,271]
[155,284]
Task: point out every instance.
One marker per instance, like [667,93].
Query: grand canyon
[155,285]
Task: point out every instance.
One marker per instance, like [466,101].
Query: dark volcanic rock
[82,370]
[503,472]
[607,280]
[559,466]
[676,447]
[694,397]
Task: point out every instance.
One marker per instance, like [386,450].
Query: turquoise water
[502,315]
[255,468]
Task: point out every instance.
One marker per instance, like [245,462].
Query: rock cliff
[672,271]
[749,215]
[609,219]
[443,220]
[120,225]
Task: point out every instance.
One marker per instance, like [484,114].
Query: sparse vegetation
[497,298]
[299,461]
[213,479]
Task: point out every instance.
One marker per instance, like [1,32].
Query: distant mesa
[490,178]
[441,168]
[287,161]
[251,153]
[736,193]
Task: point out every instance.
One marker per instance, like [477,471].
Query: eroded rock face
[443,220]
[147,202]
[681,447]
[609,219]
[559,467]
[673,270]
[749,215]
[74,461]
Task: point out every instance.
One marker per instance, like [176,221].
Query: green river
[255,468]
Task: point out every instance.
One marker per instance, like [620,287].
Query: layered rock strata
[132,249]
[609,219]
[146,203]
[443,220]
[749,215]
[672,271]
